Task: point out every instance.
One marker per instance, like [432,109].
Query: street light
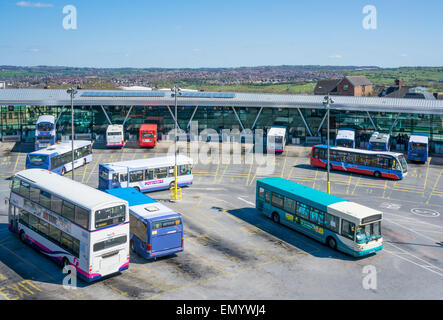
[327,103]
[175,90]
[72,92]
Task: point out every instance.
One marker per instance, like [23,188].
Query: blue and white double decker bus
[58,158]
[149,174]
[418,147]
[70,222]
[343,225]
[44,132]
[155,229]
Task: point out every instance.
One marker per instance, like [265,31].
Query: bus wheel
[132,245]
[171,185]
[63,171]
[377,174]
[276,217]
[137,188]
[331,243]
[22,236]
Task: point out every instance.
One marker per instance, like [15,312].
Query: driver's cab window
[268,197]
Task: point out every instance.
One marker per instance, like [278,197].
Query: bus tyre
[132,245]
[377,174]
[276,217]
[22,236]
[331,243]
[63,171]
[171,185]
[137,188]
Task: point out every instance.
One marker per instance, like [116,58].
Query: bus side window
[268,197]
[123,177]
[347,229]
[16,185]
[114,177]
[149,174]
[261,193]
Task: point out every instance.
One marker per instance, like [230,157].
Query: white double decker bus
[70,222]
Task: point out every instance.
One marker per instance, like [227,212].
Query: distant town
[369,80]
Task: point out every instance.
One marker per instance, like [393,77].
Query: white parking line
[248,202]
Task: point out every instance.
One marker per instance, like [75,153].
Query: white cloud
[34,4]
[34,50]
[403,55]
[336,56]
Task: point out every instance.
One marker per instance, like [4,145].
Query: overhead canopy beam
[321,124]
[192,116]
[395,122]
[304,121]
[173,117]
[256,118]
[372,121]
[127,115]
[107,117]
[59,115]
[239,121]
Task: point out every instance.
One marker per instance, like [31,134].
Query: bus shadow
[28,263]
[22,147]
[298,240]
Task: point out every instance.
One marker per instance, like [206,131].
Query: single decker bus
[148,135]
[45,132]
[155,230]
[114,136]
[149,174]
[376,163]
[418,147]
[341,224]
[345,138]
[70,222]
[58,158]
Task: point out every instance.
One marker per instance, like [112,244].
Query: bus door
[267,208]
[166,234]
[13,218]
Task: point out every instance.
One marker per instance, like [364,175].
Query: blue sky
[228,33]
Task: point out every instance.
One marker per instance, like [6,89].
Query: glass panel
[347,229]
[82,217]
[136,176]
[68,211]
[45,199]
[110,216]
[56,204]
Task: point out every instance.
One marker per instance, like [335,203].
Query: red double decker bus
[148,135]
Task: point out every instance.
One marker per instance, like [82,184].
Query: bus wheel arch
[22,235]
[276,217]
[331,242]
[132,245]
[137,188]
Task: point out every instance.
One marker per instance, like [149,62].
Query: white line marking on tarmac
[248,202]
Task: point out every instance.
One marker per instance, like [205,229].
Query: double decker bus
[71,223]
[343,225]
[376,163]
[114,136]
[149,174]
[58,158]
[148,135]
[418,147]
[44,132]
[276,139]
[345,138]
[155,229]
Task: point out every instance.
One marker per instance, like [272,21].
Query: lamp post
[327,103]
[175,90]
[72,92]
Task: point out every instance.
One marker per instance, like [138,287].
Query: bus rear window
[146,134]
[166,223]
[110,216]
[114,133]
[44,127]
[103,173]
[37,160]
[110,243]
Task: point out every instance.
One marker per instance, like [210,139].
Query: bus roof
[148,126]
[345,134]
[309,195]
[149,162]
[76,192]
[277,131]
[46,118]
[379,137]
[114,127]
[61,147]
[140,205]
[419,139]
[363,151]
[352,211]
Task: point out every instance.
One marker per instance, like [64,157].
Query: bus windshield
[44,127]
[147,134]
[109,216]
[344,143]
[368,232]
[378,145]
[418,146]
[114,133]
[37,160]
[403,163]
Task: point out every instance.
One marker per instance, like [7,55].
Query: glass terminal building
[303,115]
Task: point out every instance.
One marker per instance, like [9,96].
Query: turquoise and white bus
[58,158]
[70,222]
[347,226]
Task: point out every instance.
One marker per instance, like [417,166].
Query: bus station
[237,231]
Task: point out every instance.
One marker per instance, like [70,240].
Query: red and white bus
[148,135]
